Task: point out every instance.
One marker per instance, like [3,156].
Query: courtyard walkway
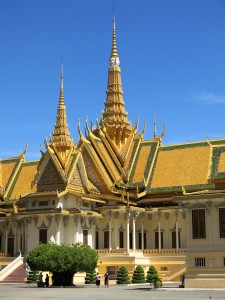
[118,292]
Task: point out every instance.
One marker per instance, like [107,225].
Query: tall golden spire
[114,116]
[60,136]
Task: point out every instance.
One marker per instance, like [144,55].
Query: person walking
[98,279]
[106,280]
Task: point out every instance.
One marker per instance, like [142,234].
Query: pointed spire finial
[154,124]
[114,57]
[61,76]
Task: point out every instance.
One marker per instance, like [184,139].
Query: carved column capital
[65,220]
[92,221]
[35,219]
[49,218]
[158,215]
[127,215]
[175,212]
[57,219]
[135,215]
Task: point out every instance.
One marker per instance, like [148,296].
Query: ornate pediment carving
[50,175]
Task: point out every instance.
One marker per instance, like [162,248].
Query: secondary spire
[60,136]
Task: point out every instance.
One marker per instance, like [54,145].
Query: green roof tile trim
[184,146]
[215,163]
[9,160]
[148,164]
[218,142]
[14,182]
[136,143]
[189,188]
[30,163]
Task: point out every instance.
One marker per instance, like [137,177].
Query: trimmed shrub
[139,275]
[32,277]
[122,276]
[90,277]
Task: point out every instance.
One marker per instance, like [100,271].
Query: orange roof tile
[6,169]
[181,167]
[221,165]
[24,182]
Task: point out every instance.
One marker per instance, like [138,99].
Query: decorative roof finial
[154,125]
[61,96]
[114,57]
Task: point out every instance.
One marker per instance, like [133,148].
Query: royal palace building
[135,201]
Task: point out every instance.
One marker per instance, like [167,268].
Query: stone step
[17,276]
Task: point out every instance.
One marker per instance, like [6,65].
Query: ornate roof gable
[50,179]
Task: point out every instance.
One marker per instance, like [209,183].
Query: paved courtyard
[124,292]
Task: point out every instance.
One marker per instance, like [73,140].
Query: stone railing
[121,251]
[146,252]
[164,251]
[2,254]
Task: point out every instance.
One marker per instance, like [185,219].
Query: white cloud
[209,98]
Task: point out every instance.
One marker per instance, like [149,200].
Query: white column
[159,231]
[6,242]
[134,229]
[19,236]
[142,231]
[110,230]
[177,233]
[58,237]
[15,240]
[134,237]
[26,235]
[76,221]
[128,231]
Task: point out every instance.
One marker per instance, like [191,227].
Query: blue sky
[172,55]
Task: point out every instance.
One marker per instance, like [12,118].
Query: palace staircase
[17,276]
[13,270]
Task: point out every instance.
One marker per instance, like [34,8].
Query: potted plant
[153,277]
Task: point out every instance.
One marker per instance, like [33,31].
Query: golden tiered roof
[112,162]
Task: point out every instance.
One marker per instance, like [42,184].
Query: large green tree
[63,261]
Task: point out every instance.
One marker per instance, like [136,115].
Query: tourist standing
[98,278]
[106,280]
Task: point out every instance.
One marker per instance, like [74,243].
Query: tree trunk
[62,279]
